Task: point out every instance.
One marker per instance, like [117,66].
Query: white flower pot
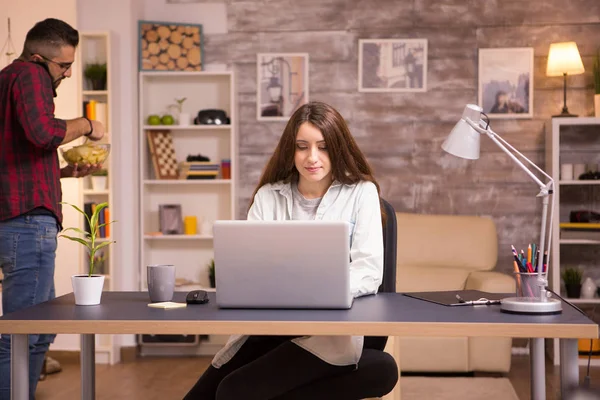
[99,182]
[597,105]
[87,289]
[184,119]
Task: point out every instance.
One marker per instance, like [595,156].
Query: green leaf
[101,245]
[79,240]
[77,230]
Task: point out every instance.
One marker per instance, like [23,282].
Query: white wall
[23,15]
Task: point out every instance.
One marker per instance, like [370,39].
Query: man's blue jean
[27,255]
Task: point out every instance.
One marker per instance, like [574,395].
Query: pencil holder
[527,284]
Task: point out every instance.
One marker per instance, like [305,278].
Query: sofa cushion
[466,242]
[429,279]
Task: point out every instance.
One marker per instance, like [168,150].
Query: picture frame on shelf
[505,87]
[282,85]
[170,219]
[162,153]
[392,65]
[170,46]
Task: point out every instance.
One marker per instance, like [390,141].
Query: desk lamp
[563,60]
[463,141]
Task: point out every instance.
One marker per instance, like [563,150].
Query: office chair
[377,372]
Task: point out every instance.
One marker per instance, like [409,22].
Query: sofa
[449,252]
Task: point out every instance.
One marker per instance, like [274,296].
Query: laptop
[282,264]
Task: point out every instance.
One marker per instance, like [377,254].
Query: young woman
[317,172]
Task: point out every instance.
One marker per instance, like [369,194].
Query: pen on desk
[529,253]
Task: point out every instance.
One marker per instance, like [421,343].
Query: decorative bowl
[88,153]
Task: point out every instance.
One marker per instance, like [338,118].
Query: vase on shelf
[588,289]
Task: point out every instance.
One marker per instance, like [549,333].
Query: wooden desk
[386,314]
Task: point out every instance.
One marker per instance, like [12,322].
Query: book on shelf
[579,230]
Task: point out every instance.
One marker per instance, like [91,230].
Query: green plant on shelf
[90,239]
[96,74]
[179,105]
[572,276]
[211,272]
[100,172]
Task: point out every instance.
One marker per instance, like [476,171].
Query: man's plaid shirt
[29,137]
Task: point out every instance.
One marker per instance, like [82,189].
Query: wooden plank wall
[401,133]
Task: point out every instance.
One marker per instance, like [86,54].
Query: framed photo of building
[506,82]
[282,85]
[169,46]
[392,65]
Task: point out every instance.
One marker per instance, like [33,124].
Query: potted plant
[596,72]
[184,118]
[95,73]
[572,279]
[99,179]
[211,273]
[87,288]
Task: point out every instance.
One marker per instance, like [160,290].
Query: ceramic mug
[161,282]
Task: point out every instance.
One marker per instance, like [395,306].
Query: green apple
[153,120]
[167,119]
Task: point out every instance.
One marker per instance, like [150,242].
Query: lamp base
[564,115]
[530,305]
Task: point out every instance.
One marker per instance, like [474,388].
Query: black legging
[264,368]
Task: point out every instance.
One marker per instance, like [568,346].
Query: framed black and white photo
[282,85]
[506,82]
[392,65]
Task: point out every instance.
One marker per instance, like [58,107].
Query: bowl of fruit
[88,153]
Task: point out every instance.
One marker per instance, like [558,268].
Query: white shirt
[357,204]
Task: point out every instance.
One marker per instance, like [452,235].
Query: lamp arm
[494,137]
[500,138]
[545,191]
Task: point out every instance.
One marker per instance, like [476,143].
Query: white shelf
[579,241]
[594,362]
[188,127]
[187,181]
[91,192]
[584,301]
[576,121]
[94,92]
[185,73]
[178,237]
[208,200]
[580,182]
[561,148]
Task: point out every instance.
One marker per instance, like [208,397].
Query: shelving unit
[572,141]
[95,47]
[206,199]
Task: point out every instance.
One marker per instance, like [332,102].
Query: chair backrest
[388,283]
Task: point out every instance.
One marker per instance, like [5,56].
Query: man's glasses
[64,66]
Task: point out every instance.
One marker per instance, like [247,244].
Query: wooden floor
[162,378]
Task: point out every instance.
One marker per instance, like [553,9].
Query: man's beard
[57,83]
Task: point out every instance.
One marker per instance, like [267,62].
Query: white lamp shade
[463,140]
[564,58]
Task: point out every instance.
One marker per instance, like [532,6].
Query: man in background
[30,190]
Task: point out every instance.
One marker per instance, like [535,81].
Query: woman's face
[311,158]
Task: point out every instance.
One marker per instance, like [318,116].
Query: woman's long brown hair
[348,164]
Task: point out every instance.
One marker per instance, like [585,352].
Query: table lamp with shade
[463,141]
[563,60]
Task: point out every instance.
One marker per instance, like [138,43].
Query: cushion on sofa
[449,241]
